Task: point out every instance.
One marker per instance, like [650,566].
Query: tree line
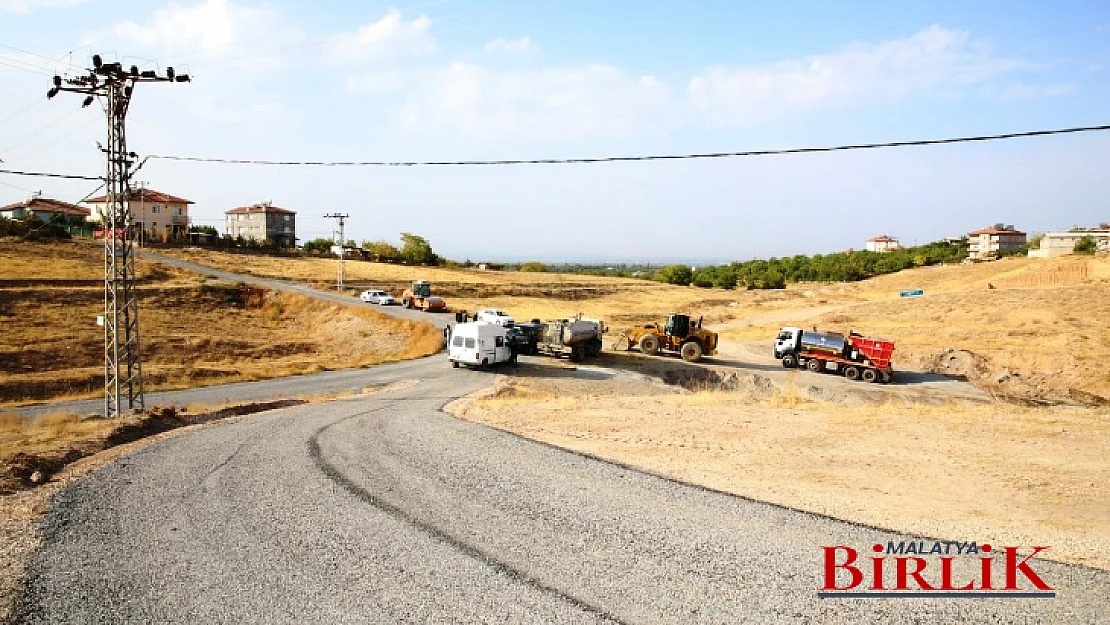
[775,273]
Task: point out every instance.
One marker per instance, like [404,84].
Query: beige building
[881,243]
[153,213]
[261,222]
[1055,244]
[994,241]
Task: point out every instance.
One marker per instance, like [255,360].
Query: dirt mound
[959,363]
[706,379]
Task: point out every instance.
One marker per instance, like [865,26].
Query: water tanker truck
[855,356]
[578,337]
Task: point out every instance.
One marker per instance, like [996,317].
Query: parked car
[492,315]
[373,296]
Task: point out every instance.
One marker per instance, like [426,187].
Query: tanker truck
[855,356]
[578,337]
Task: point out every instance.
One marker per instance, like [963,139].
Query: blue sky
[466,79]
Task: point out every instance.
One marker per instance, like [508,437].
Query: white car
[492,315]
[377,297]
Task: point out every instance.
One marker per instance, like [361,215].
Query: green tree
[209,230]
[416,250]
[534,266]
[383,250]
[675,274]
[1086,245]
[319,245]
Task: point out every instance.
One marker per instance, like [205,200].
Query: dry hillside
[1020,327]
[195,331]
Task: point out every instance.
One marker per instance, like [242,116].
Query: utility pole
[123,366]
[342,242]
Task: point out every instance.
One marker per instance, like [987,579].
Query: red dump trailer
[855,356]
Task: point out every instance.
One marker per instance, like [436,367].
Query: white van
[479,344]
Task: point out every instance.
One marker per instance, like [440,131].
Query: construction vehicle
[420,296]
[855,356]
[679,334]
[577,337]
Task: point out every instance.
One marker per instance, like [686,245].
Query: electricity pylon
[342,243]
[123,364]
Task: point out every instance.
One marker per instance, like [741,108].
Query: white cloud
[24,7]
[555,103]
[389,36]
[602,100]
[933,63]
[521,45]
[206,26]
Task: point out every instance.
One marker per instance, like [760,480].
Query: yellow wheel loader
[680,334]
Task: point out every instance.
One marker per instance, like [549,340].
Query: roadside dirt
[934,463]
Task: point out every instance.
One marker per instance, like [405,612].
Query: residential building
[154,214]
[46,209]
[261,222]
[882,243]
[994,241]
[1055,244]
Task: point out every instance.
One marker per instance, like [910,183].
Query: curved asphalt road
[384,509]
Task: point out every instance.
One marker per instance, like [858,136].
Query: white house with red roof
[882,243]
[152,212]
[994,241]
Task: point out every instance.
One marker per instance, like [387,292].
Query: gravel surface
[383,508]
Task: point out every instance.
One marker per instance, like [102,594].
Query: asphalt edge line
[333,474]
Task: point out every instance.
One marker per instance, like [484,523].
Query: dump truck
[420,296]
[577,337]
[679,334]
[854,356]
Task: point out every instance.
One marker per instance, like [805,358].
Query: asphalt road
[382,508]
[437,319]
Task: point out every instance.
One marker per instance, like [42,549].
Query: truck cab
[479,345]
[787,341]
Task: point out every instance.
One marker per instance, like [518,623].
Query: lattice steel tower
[123,364]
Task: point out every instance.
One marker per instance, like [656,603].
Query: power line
[41,174]
[650,157]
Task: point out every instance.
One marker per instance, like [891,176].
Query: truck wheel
[455,364]
[649,344]
[789,361]
[815,365]
[593,348]
[870,375]
[690,352]
[852,373]
[578,353]
[622,344]
[407,303]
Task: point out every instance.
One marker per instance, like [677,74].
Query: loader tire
[407,303]
[690,352]
[649,344]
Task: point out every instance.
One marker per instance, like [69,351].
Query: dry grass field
[195,331]
[997,472]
